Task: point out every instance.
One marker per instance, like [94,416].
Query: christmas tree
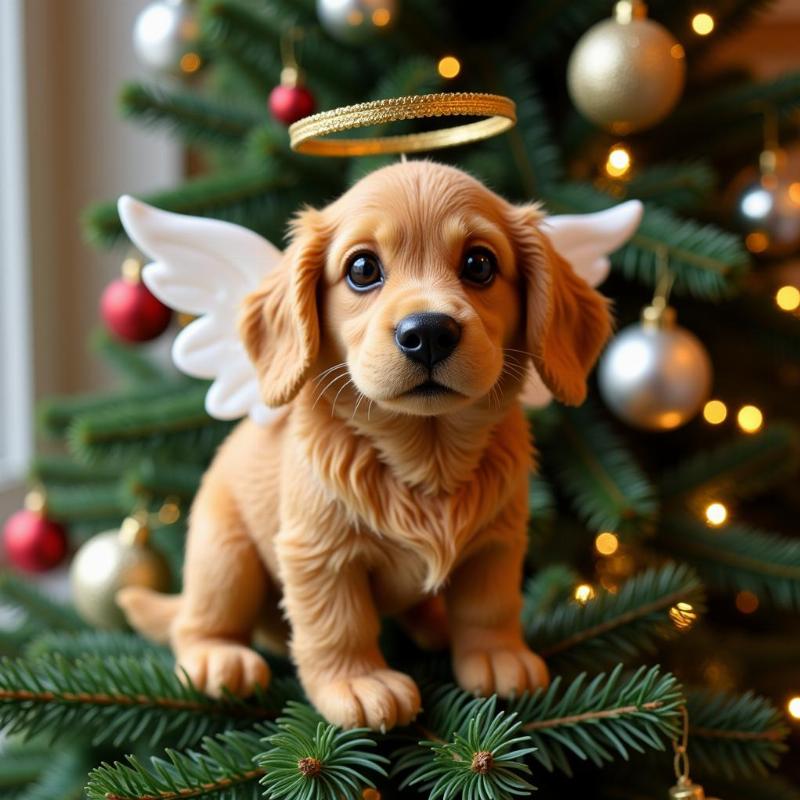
[663,580]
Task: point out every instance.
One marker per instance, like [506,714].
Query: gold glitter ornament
[626,73]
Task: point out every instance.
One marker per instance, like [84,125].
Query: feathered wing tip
[585,241]
[205,267]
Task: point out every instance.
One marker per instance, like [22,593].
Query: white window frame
[15,301]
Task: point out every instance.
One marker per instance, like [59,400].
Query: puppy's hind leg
[224,587]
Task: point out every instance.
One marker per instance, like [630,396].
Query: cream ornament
[206,267]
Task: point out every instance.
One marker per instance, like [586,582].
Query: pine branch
[739,468]
[681,187]
[546,26]
[233,26]
[157,480]
[605,484]
[707,262]
[61,779]
[548,589]
[482,759]
[21,764]
[119,699]
[192,117]
[249,196]
[712,115]
[39,610]
[127,360]
[737,557]
[224,767]
[314,760]
[56,414]
[617,627]
[166,428]
[535,155]
[97,500]
[609,716]
[734,736]
[101,644]
[63,470]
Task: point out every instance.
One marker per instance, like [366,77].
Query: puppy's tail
[150,613]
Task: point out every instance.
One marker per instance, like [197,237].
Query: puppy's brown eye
[479,266]
[364,272]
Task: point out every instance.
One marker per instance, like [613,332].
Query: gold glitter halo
[308,135]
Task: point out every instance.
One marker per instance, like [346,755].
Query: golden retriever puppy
[397,330]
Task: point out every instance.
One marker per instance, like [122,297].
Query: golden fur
[361,500]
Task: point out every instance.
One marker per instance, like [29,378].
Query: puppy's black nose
[427,338]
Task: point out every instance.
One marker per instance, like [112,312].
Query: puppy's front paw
[379,700]
[506,670]
[213,665]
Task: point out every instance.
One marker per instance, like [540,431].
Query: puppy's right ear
[279,324]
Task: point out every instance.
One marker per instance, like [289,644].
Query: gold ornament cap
[310,134]
[686,790]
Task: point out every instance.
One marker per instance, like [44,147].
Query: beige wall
[77,54]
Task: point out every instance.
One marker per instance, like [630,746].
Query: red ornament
[130,310]
[288,103]
[32,542]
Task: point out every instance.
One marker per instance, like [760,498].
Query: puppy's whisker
[369,409]
[343,387]
[523,352]
[340,365]
[361,396]
[328,386]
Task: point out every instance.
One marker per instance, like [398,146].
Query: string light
[788,298]
[584,592]
[190,62]
[606,543]
[683,615]
[756,242]
[618,162]
[702,23]
[746,602]
[715,412]
[794,192]
[716,514]
[750,419]
[381,17]
[449,66]
[794,707]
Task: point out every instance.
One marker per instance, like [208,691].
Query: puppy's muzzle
[427,337]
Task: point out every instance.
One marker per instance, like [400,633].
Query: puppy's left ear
[567,322]
[279,325]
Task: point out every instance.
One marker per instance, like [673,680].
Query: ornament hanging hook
[768,160]
[681,748]
[665,278]
[290,74]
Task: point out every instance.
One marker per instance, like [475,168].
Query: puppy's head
[428,292]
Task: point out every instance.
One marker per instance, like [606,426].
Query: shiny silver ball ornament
[655,374]
[165,37]
[769,212]
[626,73]
[354,21]
[112,561]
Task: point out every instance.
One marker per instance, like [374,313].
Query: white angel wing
[585,241]
[205,267]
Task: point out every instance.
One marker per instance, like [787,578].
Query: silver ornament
[111,561]
[626,73]
[769,212]
[655,374]
[165,36]
[353,21]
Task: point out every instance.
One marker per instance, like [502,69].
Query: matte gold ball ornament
[111,561]
[626,73]
[655,375]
